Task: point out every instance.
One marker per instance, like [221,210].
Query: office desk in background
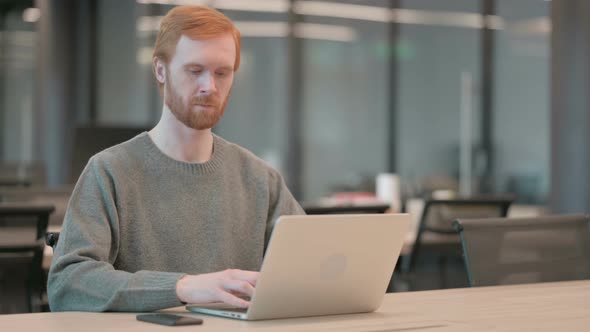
[551,307]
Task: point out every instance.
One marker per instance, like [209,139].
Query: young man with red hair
[176,214]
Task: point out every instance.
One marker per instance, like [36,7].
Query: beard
[186,113]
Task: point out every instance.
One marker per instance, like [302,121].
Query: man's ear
[159,70]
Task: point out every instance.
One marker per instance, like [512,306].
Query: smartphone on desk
[169,319]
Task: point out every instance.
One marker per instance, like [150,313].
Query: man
[178,214]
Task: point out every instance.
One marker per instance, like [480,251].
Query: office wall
[124,86]
[17,88]
[570,107]
[432,59]
[345,106]
[521,103]
[345,92]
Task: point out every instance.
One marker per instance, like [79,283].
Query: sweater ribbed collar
[208,167]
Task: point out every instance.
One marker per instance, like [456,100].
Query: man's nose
[207,84]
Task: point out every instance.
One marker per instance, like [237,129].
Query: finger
[239,294]
[238,286]
[248,276]
[232,300]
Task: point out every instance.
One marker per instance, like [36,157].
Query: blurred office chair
[502,251]
[58,197]
[51,239]
[89,140]
[436,235]
[22,232]
[21,174]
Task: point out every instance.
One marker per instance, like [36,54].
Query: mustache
[208,100]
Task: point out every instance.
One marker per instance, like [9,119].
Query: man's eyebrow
[194,64]
[230,68]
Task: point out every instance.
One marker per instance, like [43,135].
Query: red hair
[196,22]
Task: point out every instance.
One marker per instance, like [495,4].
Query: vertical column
[294,165]
[488,8]
[55,104]
[2,83]
[570,106]
[393,34]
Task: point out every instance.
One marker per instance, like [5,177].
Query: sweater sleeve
[82,276]
[282,203]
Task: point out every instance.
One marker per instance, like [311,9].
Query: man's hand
[224,286]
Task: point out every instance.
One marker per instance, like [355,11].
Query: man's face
[198,80]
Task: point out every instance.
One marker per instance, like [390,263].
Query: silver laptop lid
[328,264]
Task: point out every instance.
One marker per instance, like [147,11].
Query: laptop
[319,265]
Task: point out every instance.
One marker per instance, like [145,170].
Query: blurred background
[447,98]
[330,92]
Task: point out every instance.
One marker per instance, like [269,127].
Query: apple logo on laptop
[333,266]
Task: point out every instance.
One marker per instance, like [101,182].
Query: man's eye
[221,73]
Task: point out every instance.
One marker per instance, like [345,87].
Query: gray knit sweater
[138,221]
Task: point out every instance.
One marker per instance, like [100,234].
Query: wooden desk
[551,307]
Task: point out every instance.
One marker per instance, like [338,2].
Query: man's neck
[180,142]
